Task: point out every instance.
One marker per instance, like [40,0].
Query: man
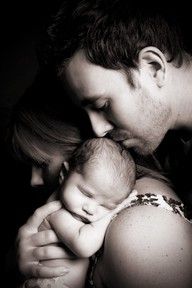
[128,68]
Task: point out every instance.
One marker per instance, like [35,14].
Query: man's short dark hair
[111,33]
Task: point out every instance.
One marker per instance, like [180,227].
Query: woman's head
[44,133]
[44,143]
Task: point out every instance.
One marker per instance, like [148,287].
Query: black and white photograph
[96,144]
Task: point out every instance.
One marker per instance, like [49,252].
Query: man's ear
[64,171]
[154,60]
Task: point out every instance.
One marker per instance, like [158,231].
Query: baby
[97,182]
[100,176]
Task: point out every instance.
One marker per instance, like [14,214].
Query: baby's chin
[94,218]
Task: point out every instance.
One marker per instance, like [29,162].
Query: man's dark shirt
[175,157]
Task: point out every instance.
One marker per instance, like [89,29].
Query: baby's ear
[64,171]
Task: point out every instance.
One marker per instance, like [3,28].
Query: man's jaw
[128,141]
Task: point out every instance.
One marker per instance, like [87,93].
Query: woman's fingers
[51,252]
[45,237]
[45,282]
[41,213]
[41,271]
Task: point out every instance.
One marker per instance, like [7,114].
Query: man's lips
[124,140]
[118,137]
[129,143]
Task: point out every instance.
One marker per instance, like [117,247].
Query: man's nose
[36,176]
[99,124]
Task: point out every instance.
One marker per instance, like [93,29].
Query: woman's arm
[147,247]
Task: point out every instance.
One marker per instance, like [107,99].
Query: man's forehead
[86,76]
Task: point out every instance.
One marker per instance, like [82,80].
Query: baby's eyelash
[85,193]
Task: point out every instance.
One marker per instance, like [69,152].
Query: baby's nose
[89,209]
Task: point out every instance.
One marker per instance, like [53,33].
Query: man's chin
[144,149]
[141,148]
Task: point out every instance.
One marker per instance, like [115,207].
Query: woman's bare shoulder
[150,185]
[150,245]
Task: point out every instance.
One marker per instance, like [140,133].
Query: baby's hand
[33,246]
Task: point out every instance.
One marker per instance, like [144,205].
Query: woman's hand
[38,251]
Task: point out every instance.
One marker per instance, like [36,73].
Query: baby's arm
[67,228]
[91,236]
[81,238]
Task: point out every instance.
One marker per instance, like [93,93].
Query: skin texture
[90,194]
[117,107]
[157,244]
[39,254]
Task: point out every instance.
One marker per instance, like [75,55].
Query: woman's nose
[36,177]
[89,208]
[100,125]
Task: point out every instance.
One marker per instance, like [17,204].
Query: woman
[145,246]
[44,135]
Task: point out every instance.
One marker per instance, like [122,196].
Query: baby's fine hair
[103,151]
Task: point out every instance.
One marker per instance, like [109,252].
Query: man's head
[115,59]
[101,175]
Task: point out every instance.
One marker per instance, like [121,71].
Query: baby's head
[101,175]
